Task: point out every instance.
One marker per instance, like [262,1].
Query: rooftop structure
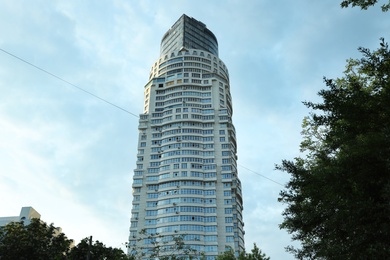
[188,33]
[26,214]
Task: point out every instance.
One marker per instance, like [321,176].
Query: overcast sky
[71,156]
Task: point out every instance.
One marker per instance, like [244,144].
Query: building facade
[185,182]
[26,214]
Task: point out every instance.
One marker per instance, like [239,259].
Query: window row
[182,191]
[178,183]
[186,145]
[205,167]
[181,100]
[186,152]
[175,201]
[184,138]
[182,87]
[181,174]
[177,228]
[179,131]
[182,218]
[183,93]
[195,248]
[186,237]
[183,124]
[175,209]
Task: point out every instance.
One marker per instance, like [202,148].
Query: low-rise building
[26,214]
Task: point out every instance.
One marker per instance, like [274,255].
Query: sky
[71,155]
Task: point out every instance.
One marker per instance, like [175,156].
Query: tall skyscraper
[186,182]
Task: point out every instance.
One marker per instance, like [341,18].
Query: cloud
[71,156]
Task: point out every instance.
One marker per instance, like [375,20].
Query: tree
[339,192]
[255,254]
[96,251]
[162,247]
[229,255]
[364,4]
[34,241]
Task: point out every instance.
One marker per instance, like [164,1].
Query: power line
[104,100]
[260,175]
[67,82]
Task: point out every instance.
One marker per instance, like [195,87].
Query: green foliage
[227,255]
[162,247]
[255,254]
[364,4]
[40,241]
[174,248]
[34,241]
[95,251]
[338,195]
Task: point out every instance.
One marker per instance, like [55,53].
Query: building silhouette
[185,182]
[26,215]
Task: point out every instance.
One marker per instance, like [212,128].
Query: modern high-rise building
[185,182]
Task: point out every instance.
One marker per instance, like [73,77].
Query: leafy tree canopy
[364,4]
[163,247]
[256,254]
[41,241]
[339,192]
[34,241]
[168,247]
[95,251]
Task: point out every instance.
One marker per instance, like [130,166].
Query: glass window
[229,229]
[210,238]
[137,181]
[229,239]
[134,224]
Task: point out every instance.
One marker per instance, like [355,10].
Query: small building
[26,214]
